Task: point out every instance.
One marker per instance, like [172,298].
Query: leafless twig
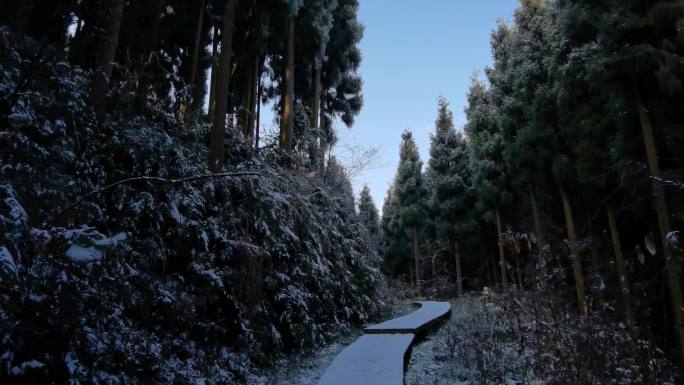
[152,179]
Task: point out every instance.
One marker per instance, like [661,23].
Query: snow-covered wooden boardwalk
[429,313]
[378,357]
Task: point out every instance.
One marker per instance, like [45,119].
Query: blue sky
[413,52]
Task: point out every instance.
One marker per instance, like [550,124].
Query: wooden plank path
[377,358]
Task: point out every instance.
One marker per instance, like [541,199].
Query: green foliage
[264,263]
[406,207]
[451,196]
[486,148]
[368,216]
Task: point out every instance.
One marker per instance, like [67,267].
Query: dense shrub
[151,281]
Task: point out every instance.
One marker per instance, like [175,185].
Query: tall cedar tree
[410,196]
[368,216]
[218,132]
[486,148]
[451,198]
[613,35]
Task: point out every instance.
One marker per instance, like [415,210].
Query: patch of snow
[21,368]
[80,254]
[7,262]
[110,241]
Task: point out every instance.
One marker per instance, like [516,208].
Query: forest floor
[505,339]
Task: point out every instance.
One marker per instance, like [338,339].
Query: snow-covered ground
[303,369]
[504,339]
[431,362]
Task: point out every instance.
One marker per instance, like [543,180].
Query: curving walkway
[377,358]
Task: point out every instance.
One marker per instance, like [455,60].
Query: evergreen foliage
[369,218]
[406,214]
[451,200]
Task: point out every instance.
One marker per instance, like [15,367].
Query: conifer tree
[368,216]
[607,38]
[411,204]
[287,98]
[451,198]
[218,132]
[486,148]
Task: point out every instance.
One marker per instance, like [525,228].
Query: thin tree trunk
[245,113]
[316,97]
[596,270]
[488,271]
[218,133]
[197,48]
[316,105]
[214,70]
[492,266]
[258,109]
[105,57]
[254,100]
[518,271]
[322,138]
[673,266]
[620,262]
[576,261]
[502,259]
[416,257]
[537,222]
[287,107]
[459,277]
[147,76]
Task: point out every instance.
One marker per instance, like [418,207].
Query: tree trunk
[214,70]
[459,277]
[254,99]
[488,271]
[596,270]
[287,107]
[492,266]
[322,138]
[316,105]
[218,133]
[147,76]
[672,265]
[576,261]
[502,259]
[246,110]
[518,271]
[105,57]
[620,262]
[416,257]
[197,48]
[258,108]
[537,223]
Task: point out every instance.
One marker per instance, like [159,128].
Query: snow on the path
[378,357]
[372,359]
[429,312]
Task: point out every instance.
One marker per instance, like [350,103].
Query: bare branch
[151,179]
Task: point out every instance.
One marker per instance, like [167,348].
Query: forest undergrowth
[159,280]
[534,338]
